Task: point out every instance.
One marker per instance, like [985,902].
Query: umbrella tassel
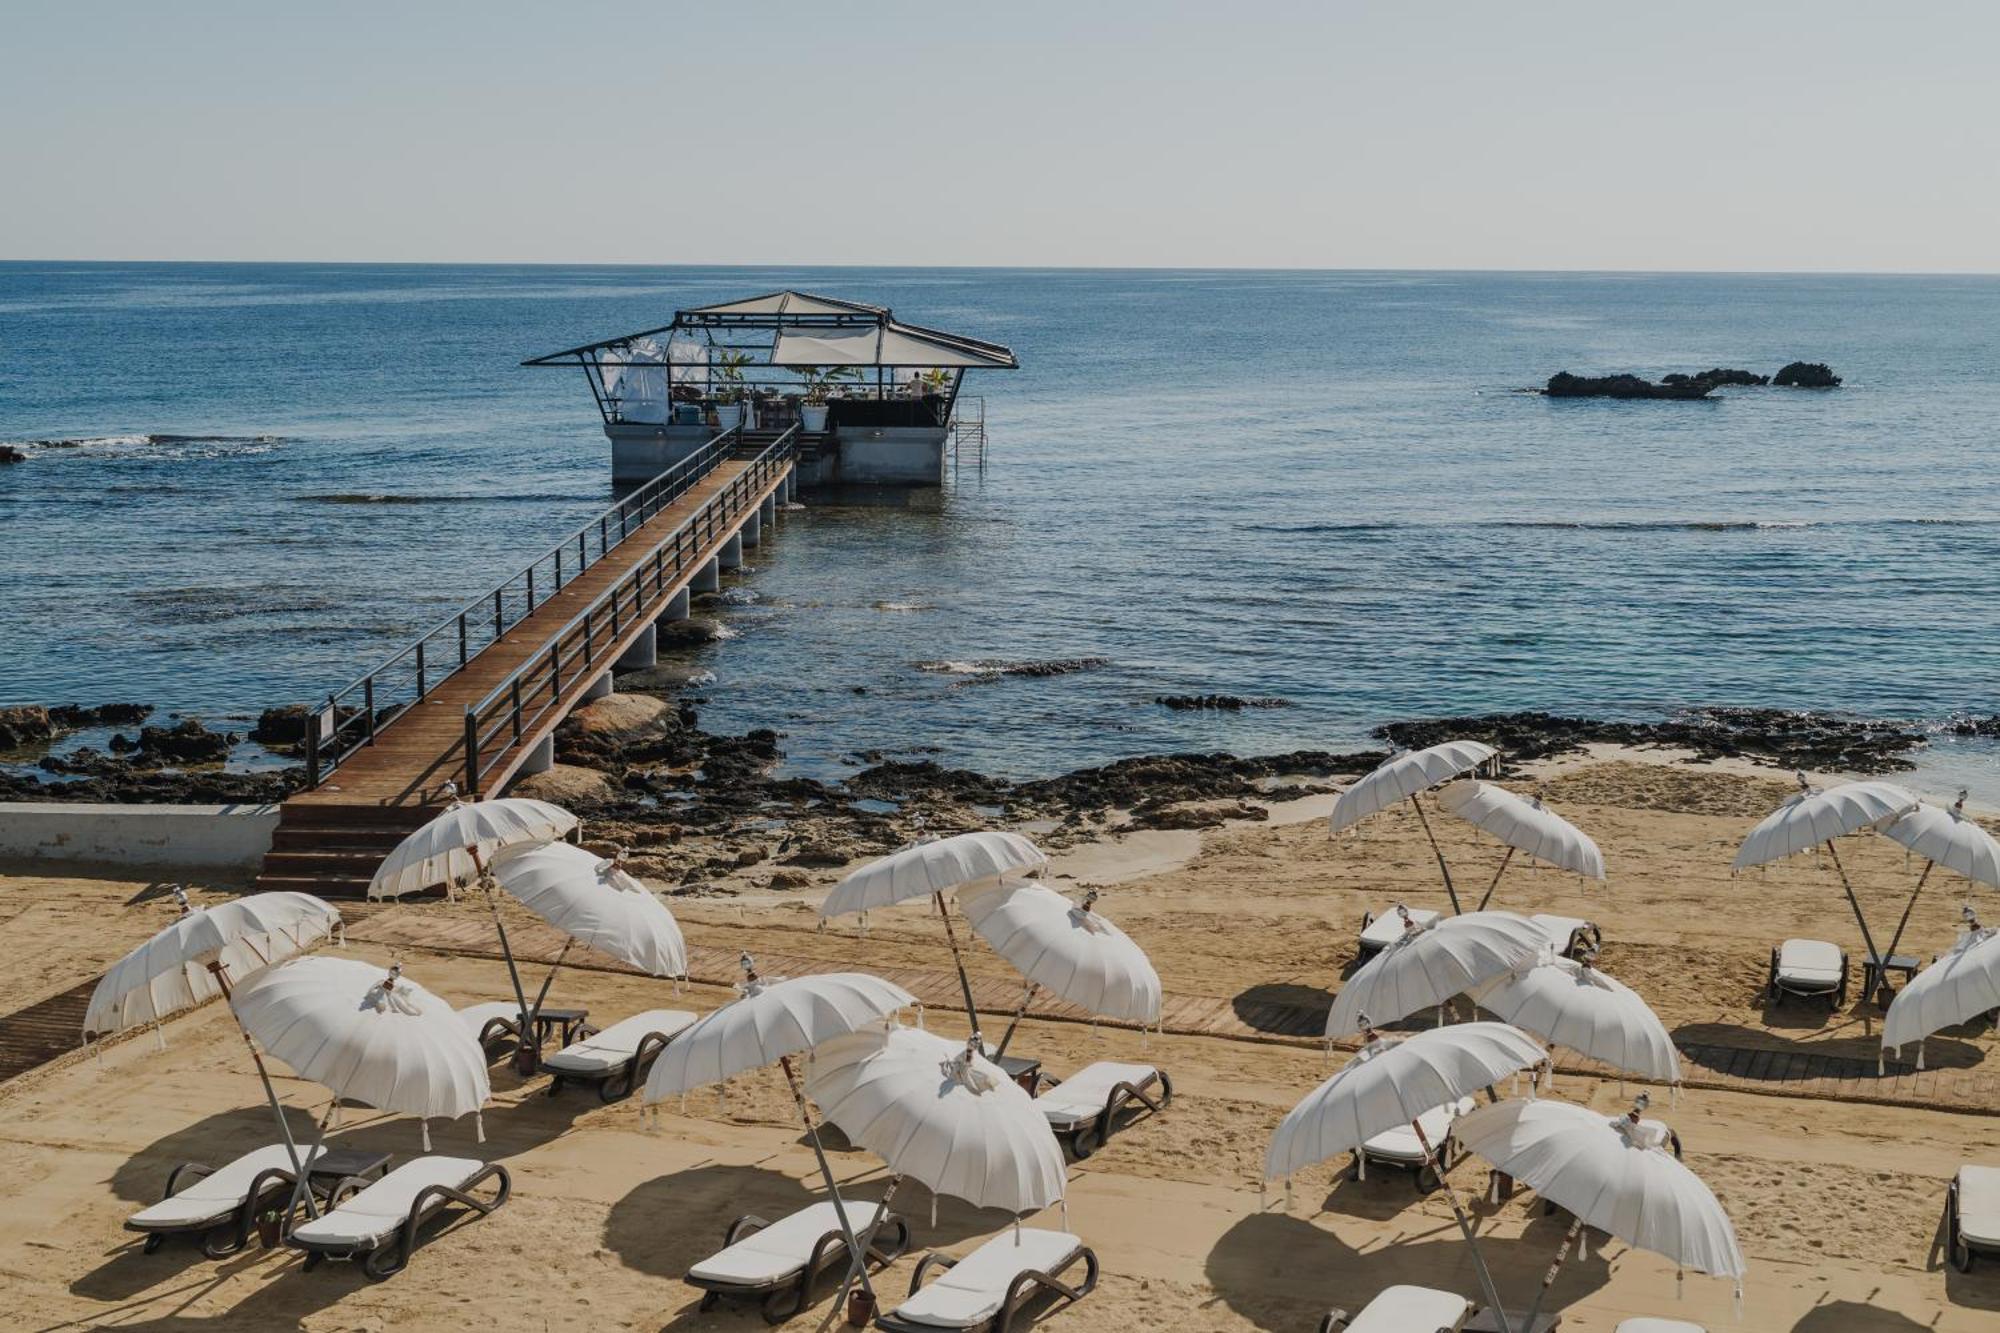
[1920,1055]
[1062,1205]
[1360,1165]
[427,1134]
[479,1126]
[159,1037]
[1288,1194]
[1737,1301]
[933,1212]
[1493,1187]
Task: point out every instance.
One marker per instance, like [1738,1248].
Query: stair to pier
[331,851]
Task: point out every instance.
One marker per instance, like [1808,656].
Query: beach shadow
[1284,1009]
[1854,1317]
[217,1140]
[286,1297]
[1765,1057]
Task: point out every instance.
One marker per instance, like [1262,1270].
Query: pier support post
[709,577]
[676,609]
[732,552]
[644,652]
[598,688]
[540,759]
[769,509]
[752,532]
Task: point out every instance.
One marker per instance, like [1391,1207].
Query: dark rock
[1177,815]
[284,725]
[1766,735]
[188,742]
[75,717]
[687,633]
[1229,703]
[25,725]
[123,744]
[1565,385]
[790,879]
[1807,375]
[1717,376]
[10,454]
[1057,666]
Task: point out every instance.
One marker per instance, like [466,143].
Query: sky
[1830,136]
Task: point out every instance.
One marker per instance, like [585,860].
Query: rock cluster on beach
[1798,374]
[1771,736]
[1807,375]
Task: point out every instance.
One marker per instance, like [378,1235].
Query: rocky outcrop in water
[284,725]
[1766,735]
[1058,666]
[1226,703]
[10,454]
[28,726]
[1807,375]
[1565,385]
[1717,376]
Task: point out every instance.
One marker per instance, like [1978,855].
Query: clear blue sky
[1829,136]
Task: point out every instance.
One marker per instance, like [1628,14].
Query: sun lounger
[1402,1149]
[220,1205]
[1378,932]
[1808,968]
[778,1262]
[378,1224]
[1403,1309]
[1088,1102]
[1651,1325]
[1972,1215]
[492,1023]
[1571,935]
[616,1058]
[989,1287]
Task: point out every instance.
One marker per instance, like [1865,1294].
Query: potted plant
[729,398]
[817,383]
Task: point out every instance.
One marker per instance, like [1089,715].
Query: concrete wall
[641,453]
[892,456]
[208,837]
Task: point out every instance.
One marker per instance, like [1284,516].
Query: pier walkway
[476,700]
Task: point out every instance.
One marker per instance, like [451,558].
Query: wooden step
[319,886]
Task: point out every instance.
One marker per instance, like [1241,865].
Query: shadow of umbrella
[1761,1057]
[1854,1317]
[1285,1010]
[217,1140]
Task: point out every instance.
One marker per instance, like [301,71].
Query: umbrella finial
[181,898]
[1090,899]
[1639,1105]
[1586,957]
[748,964]
[1958,806]
[1800,774]
[1968,916]
[1409,923]
[450,790]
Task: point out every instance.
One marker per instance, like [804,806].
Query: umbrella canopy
[451,849]
[590,899]
[1959,985]
[1067,949]
[1611,1175]
[940,865]
[171,972]
[939,1112]
[1572,1004]
[1431,963]
[368,1034]
[773,1020]
[1402,777]
[1525,825]
[1390,1083]
[1949,839]
[1810,818]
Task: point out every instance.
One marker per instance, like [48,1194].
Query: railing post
[499,624]
[559,551]
[464,653]
[471,754]
[368,700]
[517,710]
[531,590]
[422,688]
[312,749]
[589,648]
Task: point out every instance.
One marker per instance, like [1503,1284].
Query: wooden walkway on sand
[1769,1070]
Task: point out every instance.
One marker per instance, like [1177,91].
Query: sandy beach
[1836,1195]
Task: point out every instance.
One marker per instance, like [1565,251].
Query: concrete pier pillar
[676,609]
[769,509]
[644,652]
[709,577]
[540,759]
[791,485]
[732,552]
[752,531]
[598,688]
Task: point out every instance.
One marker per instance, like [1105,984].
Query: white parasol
[1945,838]
[931,869]
[1523,825]
[1430,963]
[1570,1003]
[1405,777]
[1961,984]
[1067,948]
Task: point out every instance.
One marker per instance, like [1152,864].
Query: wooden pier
[469,704]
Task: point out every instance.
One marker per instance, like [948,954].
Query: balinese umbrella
[205,952]
[1392,1083]
[1405,777]
[770,1022]
[1430,963]
[1567,1002]
[595,903]
[1066,948]
[931,869]
[1961,984]
[1614,1174]
[459,847]
[1944,838]
[1522,825]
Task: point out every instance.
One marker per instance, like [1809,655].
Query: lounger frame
[787,1297]
[1121,1096]
[1423,1174]
[1776,990]
[496,1031]
[1027,1286]
[391,1255]
[619,1081]
[1957,1248]
[223,1238]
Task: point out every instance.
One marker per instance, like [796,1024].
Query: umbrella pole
[1465,1226]
[543,993]
[1549,1278]
[867,1239]
[528,1042]
[304,1182]
[264,1077]
[964,985]
[1496,881]
[1866,938]
[833,1187]
[1438,852]
[1026,996]
[1910,906]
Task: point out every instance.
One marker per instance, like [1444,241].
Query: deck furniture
[1972,1215]
[776,1263]
[616,1058]
[1379,930]
[376,1222]
[1571,935]
[1086,1104]
[219,1204]
[1482,1321]
[493,1023]
[1403,1309]
[1875,972]
[1401,1149]
[989,1288]
[1810,969]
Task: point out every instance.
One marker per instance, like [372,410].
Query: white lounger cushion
[611,1049]
[973,1290]
[477,1016]
[1651,1325]
[1387,927]
[1080,1099]
[1412,1310]
[1979,1204]
[1560,929]
[1809,962]
[768,1257]
[377,1211]
[1401,1145]
[216,1196]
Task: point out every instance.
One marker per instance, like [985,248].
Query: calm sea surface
[1317,487]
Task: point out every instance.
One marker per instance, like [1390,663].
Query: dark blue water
[1318,487]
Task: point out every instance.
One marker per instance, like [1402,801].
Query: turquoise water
[1316,487]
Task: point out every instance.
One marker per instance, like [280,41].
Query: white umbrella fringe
[1948,838]
[1962,984]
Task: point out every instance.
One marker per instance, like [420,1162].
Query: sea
[246,483]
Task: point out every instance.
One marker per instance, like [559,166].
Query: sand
[1837,1204]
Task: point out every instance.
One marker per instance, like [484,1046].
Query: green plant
[932,379]
[729,366]
[818,381]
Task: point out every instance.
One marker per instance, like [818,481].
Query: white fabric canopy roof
[788,303]
[876,345]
